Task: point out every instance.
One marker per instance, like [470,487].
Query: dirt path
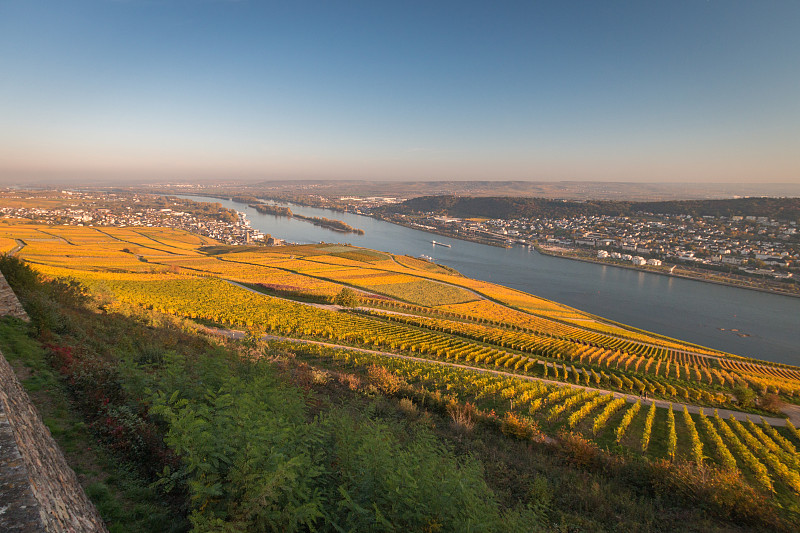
[631,398]
[327,307]
[793,412]
[20,245]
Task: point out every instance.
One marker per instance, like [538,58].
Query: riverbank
[434,231]
[652,270]
[684,274]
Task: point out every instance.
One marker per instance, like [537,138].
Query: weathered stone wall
[19,510]
[9,304]
[39,492]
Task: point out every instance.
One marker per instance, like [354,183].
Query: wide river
[695,311]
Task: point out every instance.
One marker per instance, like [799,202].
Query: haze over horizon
[623,91]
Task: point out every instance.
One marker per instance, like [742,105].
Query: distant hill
[305,190]
[516,207]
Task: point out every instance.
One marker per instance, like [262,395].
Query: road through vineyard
[632,398]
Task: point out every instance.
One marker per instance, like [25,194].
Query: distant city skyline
[623,91]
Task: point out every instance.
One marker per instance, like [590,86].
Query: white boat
[442,244]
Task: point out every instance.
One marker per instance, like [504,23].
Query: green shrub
[248,457]
[347,297]
[387,480]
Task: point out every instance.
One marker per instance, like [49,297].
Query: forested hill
[515,207]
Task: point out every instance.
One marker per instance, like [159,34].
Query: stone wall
[9,304]
[39,492]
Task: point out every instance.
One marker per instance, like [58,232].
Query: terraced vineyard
[529,362]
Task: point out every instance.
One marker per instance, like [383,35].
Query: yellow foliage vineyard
[446,318]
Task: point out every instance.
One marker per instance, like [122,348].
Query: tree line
[508,207]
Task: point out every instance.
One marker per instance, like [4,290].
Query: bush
[347,297]
[577,450]
[384,380]
[462,415]
[724,491]
[247,453]
[520,427]
[408,407]
[771,402]
[745,396]
[19,275]
[384,479]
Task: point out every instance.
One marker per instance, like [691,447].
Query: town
[759,247]
[114,210]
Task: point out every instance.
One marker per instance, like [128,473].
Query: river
[768,324]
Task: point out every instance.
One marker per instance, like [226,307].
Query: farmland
[537,368]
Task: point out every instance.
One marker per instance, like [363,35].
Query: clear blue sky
[677,90]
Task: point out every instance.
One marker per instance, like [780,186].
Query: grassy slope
[125,501]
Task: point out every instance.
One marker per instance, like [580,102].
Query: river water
[695,311]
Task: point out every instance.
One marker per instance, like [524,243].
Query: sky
[163,90]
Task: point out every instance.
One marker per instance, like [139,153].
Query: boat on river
[437,243]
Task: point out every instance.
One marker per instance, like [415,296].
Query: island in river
[329,223]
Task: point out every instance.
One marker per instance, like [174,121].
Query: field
[540,367]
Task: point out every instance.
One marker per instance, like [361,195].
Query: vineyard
[522,359]
[766,455]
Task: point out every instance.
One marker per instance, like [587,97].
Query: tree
[347,297]
[745,396]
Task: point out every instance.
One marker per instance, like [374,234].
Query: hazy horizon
[147,90]
[574,190]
